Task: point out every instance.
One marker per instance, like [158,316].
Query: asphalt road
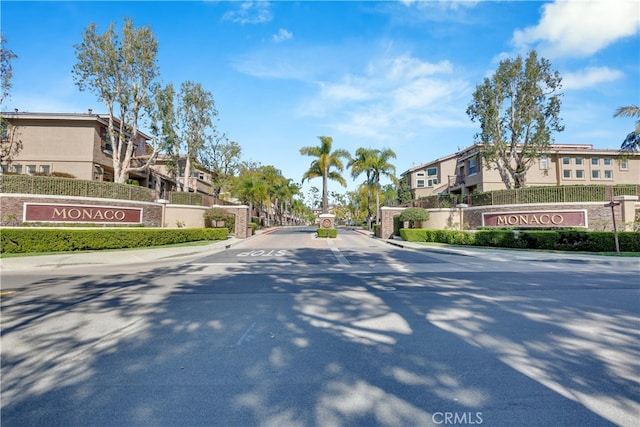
[288,330]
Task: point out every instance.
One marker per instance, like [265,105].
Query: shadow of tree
[273,346]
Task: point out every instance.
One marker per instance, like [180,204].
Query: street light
[612,205]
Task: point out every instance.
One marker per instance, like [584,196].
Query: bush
[218,217]
[28,240]
[452,237]
[331,233]
[498,238]
[254,227]
[414,215]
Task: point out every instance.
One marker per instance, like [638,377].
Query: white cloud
[590,77]
[393,95]
[581,28]
[250,12]
[282,35]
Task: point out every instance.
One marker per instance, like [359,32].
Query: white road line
[244,336]
[341,259]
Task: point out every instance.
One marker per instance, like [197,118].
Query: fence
[194,199]
[561,194]
[29,184]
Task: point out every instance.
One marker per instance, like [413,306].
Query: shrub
[254,227]
[498,238]
[413,215]
[331,233]
[26,240]
[218,217]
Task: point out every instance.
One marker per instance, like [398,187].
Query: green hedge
[27,240]
[332,233]
[562,240]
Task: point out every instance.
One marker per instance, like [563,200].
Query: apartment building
[78,145]
[564,164]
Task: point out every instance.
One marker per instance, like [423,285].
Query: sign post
[612,205]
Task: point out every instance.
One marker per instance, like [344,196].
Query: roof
[88,116]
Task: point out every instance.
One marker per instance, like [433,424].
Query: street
[285,329]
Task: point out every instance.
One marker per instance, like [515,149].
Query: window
[432,171]
[45,169]
[420,183]
[608,174]
[624,165]
[544,162]
[595,174]
[566,160]
[606,161]
[595,161]
[420,173]
[5,168]
[31,169]
[17,168]
[579,161]
[579,174]
[432,182]
[472,166]
[566,174]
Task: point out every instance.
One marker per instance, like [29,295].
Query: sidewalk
[499,254]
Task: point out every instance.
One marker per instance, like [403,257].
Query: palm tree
[381,166]
[328,165]
[363,163]
[632,141]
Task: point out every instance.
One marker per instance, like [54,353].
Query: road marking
[3,293]
[244,336]
[341,259]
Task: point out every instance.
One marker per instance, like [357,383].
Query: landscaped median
[562,240]
[30,240]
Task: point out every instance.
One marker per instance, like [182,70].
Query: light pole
[612,205]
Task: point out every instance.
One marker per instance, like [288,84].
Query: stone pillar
[385,228]
[628,208]
[327,221]
[242,228]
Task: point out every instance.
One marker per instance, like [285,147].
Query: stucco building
[464,172]
[78,145]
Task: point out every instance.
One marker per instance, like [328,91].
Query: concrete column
[628,208]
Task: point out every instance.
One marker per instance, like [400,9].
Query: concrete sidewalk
[151,255]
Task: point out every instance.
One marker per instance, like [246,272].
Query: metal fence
[29,184]
[531,195]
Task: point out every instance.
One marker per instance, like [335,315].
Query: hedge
[562,240]
[28,240]
[331,233]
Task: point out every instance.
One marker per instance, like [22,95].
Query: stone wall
[598,215]
[12,208]
[12,211]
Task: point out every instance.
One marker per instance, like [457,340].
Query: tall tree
[222,158]
[163,125]
[120,73]
[518,110]
[381,166]
[327,165]
[632,141]
[363,163]
[10,143]
[196,111]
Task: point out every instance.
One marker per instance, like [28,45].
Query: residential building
[564,164]
[78,145]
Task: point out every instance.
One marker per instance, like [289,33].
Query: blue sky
[394,74]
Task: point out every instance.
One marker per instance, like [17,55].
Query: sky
[373,74]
